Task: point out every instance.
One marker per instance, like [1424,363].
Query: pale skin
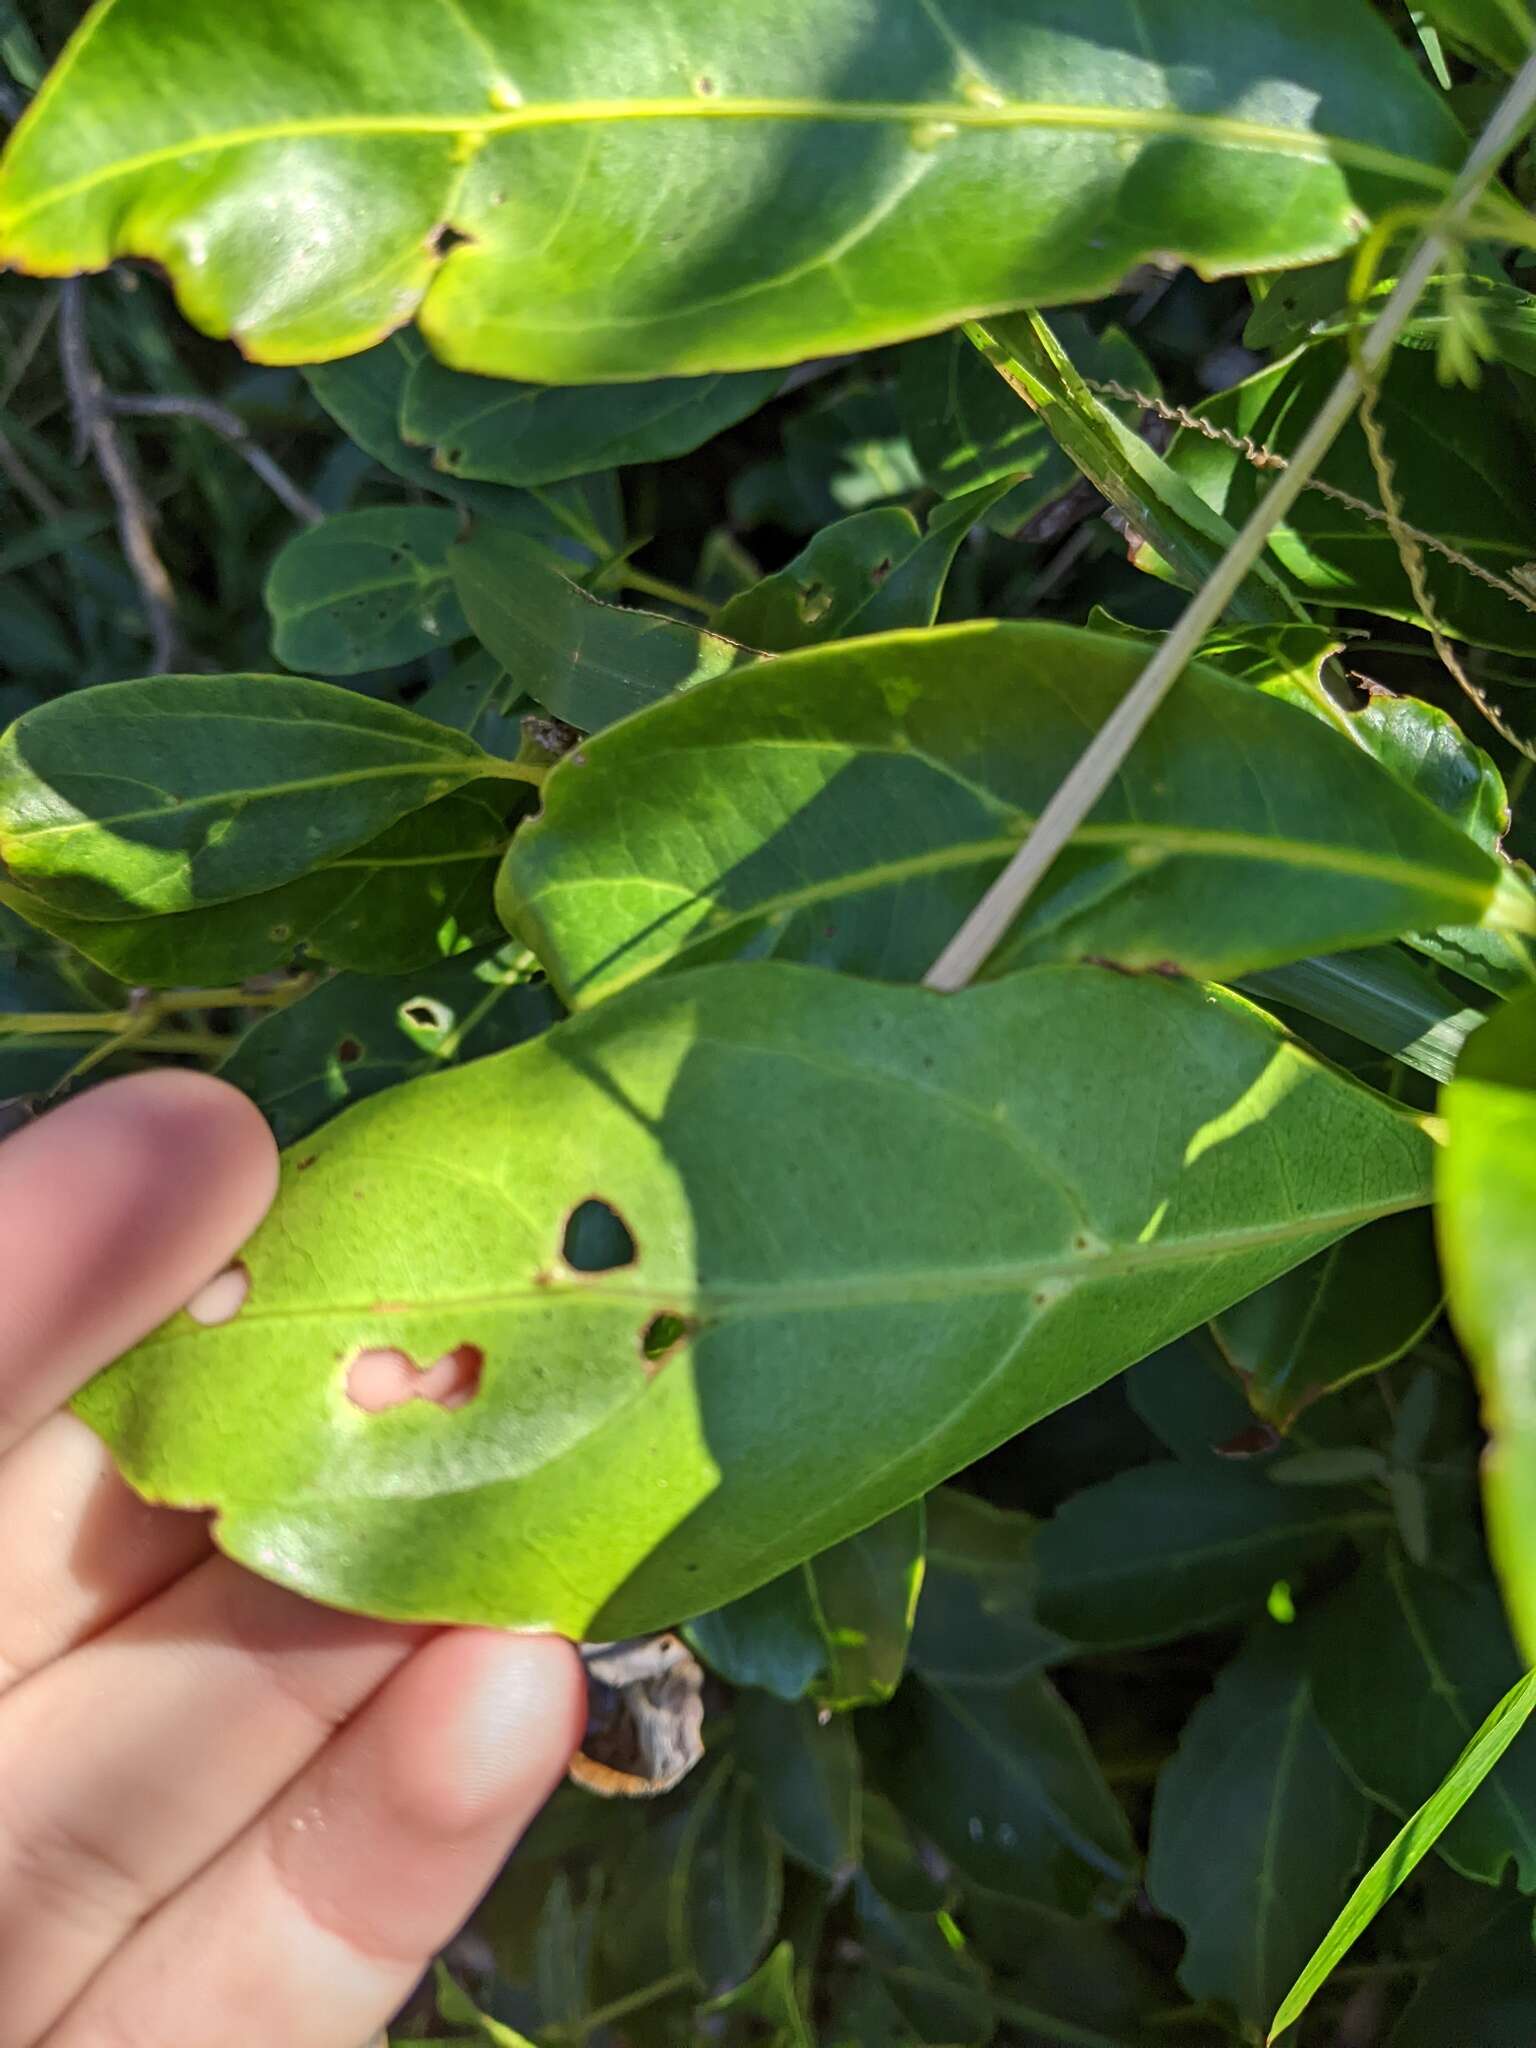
[226,1816]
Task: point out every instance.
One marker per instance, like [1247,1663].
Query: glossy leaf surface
[330,151]
[999,1261]
[847,805]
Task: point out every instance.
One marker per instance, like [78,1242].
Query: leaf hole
[223,1297]
[349,1052]
[667,1332]
[380,1378]
[427,1014]
[596,1238]
[705,86]
[446,238]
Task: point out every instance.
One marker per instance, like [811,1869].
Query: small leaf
[769,1995]
[588,662]
[1405,1664]
[459,2009]
[818,595]
[1352,1310]
[1409,1846]
[926,1972]
[1256,1831]
[365,590]
[846,806]
[1502,30]
[806,1770]
[1165,1549]
[1486,1218]
[174,792]
[999,1261]
[501,432]
[1003,1780]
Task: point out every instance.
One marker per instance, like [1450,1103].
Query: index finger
[114,1210]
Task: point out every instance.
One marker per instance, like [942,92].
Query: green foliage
[702,562]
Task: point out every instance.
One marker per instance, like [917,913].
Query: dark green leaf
[358,1033]
[806,1771]
[1352,1310]
[365,590]
[1487,1984]
[1190,1399]
[1500,29]
[768,1638]
[926,1973]
[1405,1665]
[769,1995]
[1379,995]
[725,1901]
[894,1862]
[817,597]
[998,1261]
[976,1618]
[507,433]
[1165,1549]
[1001,1777]
[588,662]
[846,805]
[905,169]
[1256,1831]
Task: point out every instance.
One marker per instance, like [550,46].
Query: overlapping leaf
[906,166]
[847,805]
[1085,1164]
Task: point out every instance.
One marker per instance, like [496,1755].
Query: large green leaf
[1256,1831]
[1486,1218]
[175,792]
[1168,1548]
[846,805]
[498,432]
[1460,471]
[298,170]
[365,590]
[589,662]
[1084,1165]
[1003,1780]
[1406,1662]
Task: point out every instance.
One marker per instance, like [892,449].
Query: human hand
[227,1817]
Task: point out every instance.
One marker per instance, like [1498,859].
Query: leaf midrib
[1219,129]
[873,1290]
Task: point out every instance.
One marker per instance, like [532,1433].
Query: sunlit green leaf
[332,151]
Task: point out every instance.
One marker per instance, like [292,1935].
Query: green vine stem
[1081,789]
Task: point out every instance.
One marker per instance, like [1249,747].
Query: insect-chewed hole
[381,1377]
[349,1051]
[223,1297]
[596,1239]
[427,1014]
[663,1334]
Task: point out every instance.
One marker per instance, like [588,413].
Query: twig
[229,426]
[1100,763]
[95,433]
[16,472]
[28,346]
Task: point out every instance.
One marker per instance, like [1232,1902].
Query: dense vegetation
[534,714]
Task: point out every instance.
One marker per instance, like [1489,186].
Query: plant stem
[229,426]
[1092,774]
[632,2001]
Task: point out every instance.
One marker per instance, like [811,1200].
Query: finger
[78,1548]
[114,1210]
[313,1927]
[132,1763]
